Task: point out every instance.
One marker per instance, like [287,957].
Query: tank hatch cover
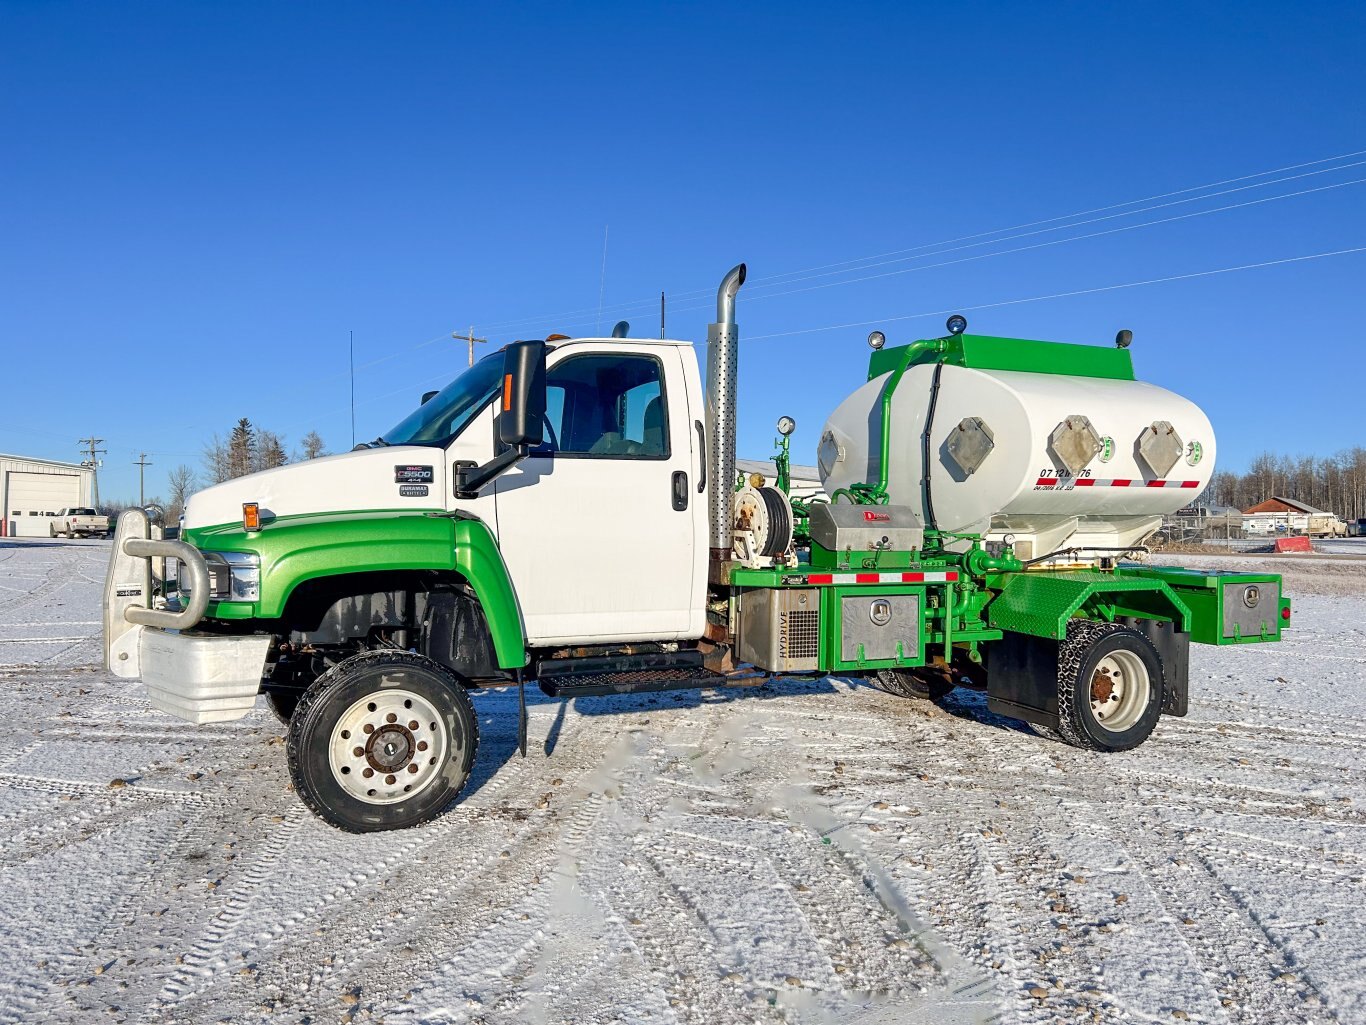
[1074,443]
[1159,447]
[970,443]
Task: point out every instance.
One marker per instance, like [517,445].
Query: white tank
[1013,452]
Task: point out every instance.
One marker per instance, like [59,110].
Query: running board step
[635,681]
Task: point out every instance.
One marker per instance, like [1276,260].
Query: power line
[774,278]
[1038,245]
[754,297]
[1062,295]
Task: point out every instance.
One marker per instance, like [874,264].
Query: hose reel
[762,525]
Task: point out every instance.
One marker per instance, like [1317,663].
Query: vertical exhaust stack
[723,345]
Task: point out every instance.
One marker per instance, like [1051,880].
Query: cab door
[603,526]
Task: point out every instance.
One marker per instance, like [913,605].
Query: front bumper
[198,677]
[202,677]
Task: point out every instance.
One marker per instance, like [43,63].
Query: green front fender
[479,561]
[294,549]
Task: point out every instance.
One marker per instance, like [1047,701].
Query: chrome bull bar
[128,590]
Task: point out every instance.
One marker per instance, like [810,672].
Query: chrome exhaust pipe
[723,343]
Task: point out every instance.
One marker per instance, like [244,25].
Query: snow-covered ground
[799,852]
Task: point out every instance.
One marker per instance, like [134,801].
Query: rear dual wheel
[907,683]
[383,740]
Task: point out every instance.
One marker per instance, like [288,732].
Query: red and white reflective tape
[882,578]
[1118,482]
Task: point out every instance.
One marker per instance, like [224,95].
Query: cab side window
[606,407]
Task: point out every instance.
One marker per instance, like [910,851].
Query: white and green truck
[567,513]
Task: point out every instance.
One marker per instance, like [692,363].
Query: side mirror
[521,420]
[427,397]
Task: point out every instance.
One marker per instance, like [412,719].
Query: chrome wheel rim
[1120,689]
[388,747]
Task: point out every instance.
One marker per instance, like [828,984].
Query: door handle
[702,451]
[680,490]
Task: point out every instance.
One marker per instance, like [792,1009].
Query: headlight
[234,576]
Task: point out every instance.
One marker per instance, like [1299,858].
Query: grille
[800,634]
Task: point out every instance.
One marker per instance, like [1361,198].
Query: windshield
[445,415]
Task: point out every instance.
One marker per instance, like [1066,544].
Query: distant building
[1277,504]
[1280,515]
[33,491]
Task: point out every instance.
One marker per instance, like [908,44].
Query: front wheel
[1110,681]
[383,740]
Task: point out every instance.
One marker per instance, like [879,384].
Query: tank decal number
[882,578]
[1056,483]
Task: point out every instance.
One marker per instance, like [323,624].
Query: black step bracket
[689,658]
[634,681]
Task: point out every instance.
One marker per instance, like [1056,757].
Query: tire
[360,705]
[1110,687]
[905,683]
[282,703]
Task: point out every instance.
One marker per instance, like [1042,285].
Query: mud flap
[1022,678]
[1174,648]
[521,712]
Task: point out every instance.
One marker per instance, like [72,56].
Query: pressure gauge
[876,340]
[957,324]
[786,425]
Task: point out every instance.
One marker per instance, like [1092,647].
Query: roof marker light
[251,516]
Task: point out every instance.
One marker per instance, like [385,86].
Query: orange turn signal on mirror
[507,392]
[251,516]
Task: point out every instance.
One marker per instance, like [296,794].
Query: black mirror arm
[470,478]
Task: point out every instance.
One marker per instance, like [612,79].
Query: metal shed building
[32,491]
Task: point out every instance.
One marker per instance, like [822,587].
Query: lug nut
[369,728]
[412,767]
[413,725]
[368,772]
[358,751]
[391,717]
[390,780]
[422,745]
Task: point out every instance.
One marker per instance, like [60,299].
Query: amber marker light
[507,392]
[251,516]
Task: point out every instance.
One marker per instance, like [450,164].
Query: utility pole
[142,465]
[352,336]
[471,339]
[661,314]
[94,463]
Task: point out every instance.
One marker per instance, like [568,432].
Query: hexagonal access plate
[1159,446]
[970,443]
[1074,443]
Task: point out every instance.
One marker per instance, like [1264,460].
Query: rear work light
[251,516]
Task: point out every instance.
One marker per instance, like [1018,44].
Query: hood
[391,477]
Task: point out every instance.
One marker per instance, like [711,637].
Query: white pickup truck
[82,522]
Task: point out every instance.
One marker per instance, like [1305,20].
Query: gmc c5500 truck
[567,513]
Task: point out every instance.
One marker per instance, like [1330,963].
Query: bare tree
[182,483]
[216,468]
[312,444]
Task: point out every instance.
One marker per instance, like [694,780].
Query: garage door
[34,498]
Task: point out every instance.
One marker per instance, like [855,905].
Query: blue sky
[199,201]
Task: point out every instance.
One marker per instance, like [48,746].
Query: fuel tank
[1049,457]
